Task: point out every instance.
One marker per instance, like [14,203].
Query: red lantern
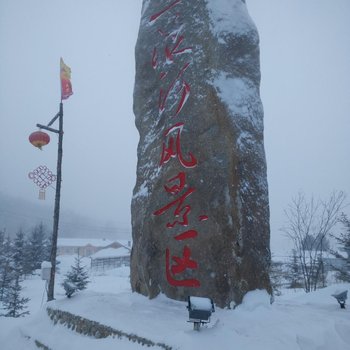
[39,139]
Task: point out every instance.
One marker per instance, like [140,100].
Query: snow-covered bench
[200,310]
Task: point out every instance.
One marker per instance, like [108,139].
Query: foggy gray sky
[305,62]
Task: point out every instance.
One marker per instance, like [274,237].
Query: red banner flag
[66,85]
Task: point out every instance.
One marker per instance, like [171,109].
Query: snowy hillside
[294,321]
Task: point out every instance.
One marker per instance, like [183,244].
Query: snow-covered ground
[294,321]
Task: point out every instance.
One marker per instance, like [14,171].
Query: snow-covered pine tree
[343,240]
[2,249]
[36,247]
[294,274]
[276,276]
[13,303]
[6,267]
[19,252]
[2,240]
[76,279]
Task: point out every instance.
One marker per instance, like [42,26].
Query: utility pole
[59,116]
[66,91]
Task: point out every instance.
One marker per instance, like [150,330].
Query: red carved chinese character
[171,52]
[174,89]
[184,97]
[186,235]
[184,87]
[172,49]
[181,264]
[158,14]
[180,209]
[175,189]
[173,149]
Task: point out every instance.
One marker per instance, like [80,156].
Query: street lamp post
[59,116]
[66,91]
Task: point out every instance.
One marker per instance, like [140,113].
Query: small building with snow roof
[84,246]
[110,258]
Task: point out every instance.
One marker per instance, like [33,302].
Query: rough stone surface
[197,64]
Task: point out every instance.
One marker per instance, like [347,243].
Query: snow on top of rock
[142,192]
[145,5]
[238,94]
[234,92]
[229,16]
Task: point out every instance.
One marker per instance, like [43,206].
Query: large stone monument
[200,214]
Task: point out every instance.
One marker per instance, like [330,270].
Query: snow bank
[311,321]
[256,299]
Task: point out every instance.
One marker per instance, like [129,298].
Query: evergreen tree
[294,274]
[276,277]
[76,279]
[36,248]
[2,241]
[19,253]
[343,239]
[6,268]
[2,249]
[13,303]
